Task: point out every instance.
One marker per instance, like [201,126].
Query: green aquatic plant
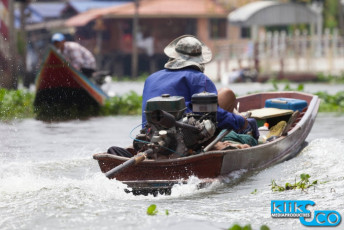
[255,191]
[16,104]
[303,184]
[127,104]
[328,103]
[19,104]
[300,87]
[264,227]
[247,227]
[328,78]
[151,210]
[141,78]
[238,227]
[331,103]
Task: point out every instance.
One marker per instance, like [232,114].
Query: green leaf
[166,212]
[288,186]
[305,177]
[274,84]
[300,87]
[264,227]
[247,227]
[151,210]
[303,184]
[235,227]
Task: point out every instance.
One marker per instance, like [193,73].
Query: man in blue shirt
[183,76]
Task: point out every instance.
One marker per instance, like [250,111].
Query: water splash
[72,193]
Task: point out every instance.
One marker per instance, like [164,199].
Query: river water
[121,88]
[48,180]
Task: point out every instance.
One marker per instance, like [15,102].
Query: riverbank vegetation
[329,102]
[140,78]
[19,103]
[331,79]
[127,104]
[16,104]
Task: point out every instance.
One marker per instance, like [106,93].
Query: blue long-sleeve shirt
[186,82]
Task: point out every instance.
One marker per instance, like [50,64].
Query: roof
[85,5]
[47,9]
[268,13]
[84,18]
[39,12]
[168,8]
[49,14]
[154,9]
[31,18]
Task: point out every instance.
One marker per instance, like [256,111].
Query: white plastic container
[263,132]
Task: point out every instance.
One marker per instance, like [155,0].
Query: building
[42,19]
[109,31]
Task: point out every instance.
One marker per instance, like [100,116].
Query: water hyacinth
[247,227]
[16,104]
[128,104]
[331,103]
[303,184]
[19,104]
[152,210]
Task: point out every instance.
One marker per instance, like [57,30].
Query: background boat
[64,92]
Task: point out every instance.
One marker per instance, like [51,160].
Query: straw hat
[185,51]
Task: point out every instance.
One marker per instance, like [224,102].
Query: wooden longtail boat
[160,175]
[59,87]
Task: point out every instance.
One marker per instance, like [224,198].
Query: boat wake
[196,186]
[58,177]
[321,159]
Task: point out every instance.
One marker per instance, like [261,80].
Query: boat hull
[150,174]
[60,87]
[202,165]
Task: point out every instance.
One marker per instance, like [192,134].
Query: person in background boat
[183,76]
[77,55]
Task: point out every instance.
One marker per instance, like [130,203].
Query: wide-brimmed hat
[185,51]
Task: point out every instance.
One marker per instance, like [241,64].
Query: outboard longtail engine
[169,130]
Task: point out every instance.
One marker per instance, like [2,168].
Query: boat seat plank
[265,113]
